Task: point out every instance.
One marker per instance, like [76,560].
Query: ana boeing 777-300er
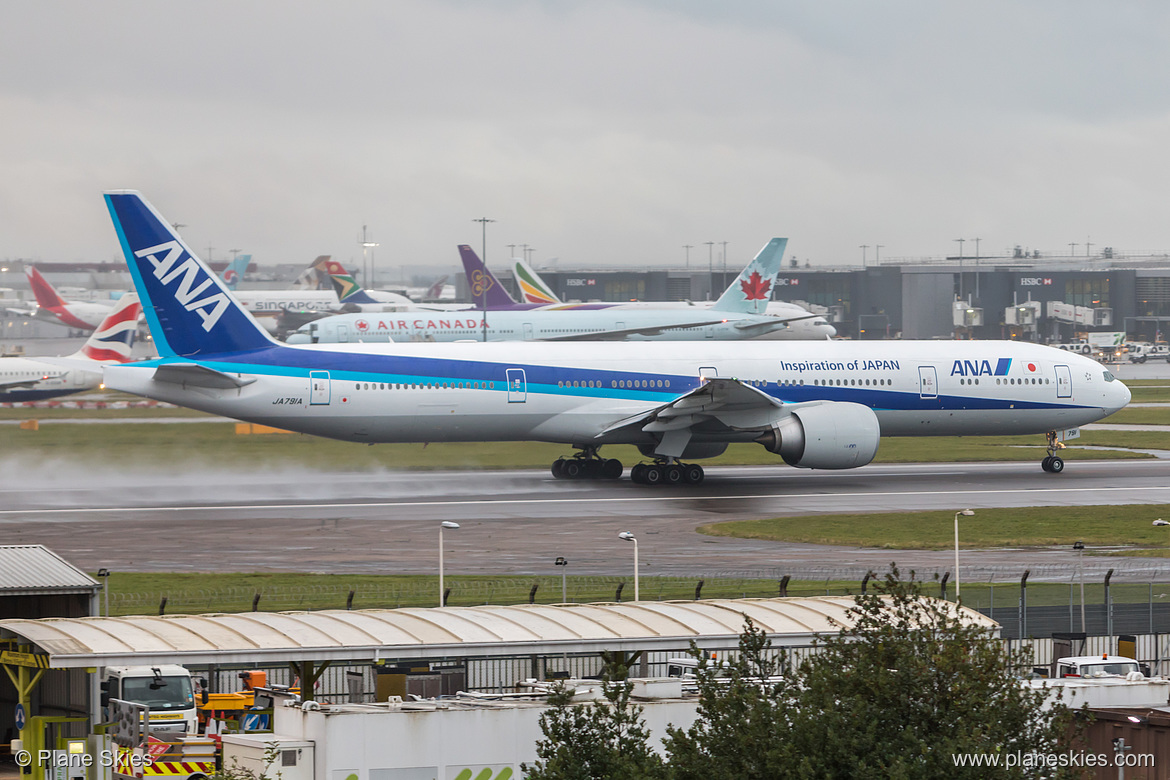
[35,379]
[816,404]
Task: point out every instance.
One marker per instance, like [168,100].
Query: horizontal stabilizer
[618,335]
[195,375]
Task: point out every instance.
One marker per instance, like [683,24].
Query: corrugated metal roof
[33,568]
[487,631]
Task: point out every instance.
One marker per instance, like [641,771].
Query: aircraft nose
[1117,397]
[830,331]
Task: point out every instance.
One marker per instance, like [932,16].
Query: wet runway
[518,522]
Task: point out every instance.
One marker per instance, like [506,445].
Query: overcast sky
[600,132]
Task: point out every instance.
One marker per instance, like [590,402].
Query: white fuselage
[572,392]
[28,379]
[536,324]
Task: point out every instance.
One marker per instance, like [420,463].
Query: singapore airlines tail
[752,289]
[190,311]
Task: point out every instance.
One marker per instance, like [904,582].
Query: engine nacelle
[826,435]
[694,449]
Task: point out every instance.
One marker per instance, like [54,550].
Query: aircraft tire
[638,474]
[591,469]
[573,469]
[1055,465]
[612,469]
[1044,464]
[558,468]
[652,475]
[693,474]
[672,475]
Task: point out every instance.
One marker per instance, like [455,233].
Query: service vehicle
[167,690]
[1096,666]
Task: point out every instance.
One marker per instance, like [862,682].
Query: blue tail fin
[235,271]
[188,308]
[486,290]
[752,289]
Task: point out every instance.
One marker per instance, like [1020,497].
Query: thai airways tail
[235,271]
[486,290]
[114,337]
[47,297]
[752,289]
[188,308]
[532,288]
[347,288]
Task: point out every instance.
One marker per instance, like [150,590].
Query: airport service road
[517,522]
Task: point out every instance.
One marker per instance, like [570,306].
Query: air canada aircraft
[817,404]
[727,320]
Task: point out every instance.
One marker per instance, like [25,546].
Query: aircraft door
[318,388]
[1063,382]
[78,378]
[517,386]
[927,382]
[528,331]
[342,333]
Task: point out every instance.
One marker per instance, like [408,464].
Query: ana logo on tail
[188,272]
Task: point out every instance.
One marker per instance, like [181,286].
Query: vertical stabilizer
[486,290]
[47,297]
[114,337]
[235,271]
[752,289]
[344,284]
[533,289]
[189,309]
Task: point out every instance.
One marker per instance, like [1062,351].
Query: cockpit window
[1108,376]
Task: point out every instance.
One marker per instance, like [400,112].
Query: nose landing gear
[587,464]
[667,471]
[1053,464]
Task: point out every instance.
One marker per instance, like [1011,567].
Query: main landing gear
[667,471]
[1053,464]
[587,464]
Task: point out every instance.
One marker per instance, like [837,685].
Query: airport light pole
[965,513]
[483,246]
[688,247]
[863,247]
[877,254]
[367,260]
[442,525]
[629,537]
[710,268]
[564,563]
[724,262]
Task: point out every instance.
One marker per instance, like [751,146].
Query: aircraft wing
[20,312]
[18,383]
[720,402]
[195,375]
[618,335]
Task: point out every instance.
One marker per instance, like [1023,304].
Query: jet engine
[826,435]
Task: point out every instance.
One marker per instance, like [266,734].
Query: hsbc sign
[787,282]
[1035,281]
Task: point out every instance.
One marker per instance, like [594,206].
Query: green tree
[898,694]
[604,739]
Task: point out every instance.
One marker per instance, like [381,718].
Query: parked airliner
[35,379]
[815,404]
[727,320]
[83,315]
[802,325]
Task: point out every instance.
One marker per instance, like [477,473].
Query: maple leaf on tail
[754,287]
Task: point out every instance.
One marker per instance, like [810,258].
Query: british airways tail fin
[114,337]
[47,297]
[235,271]
[486,290]
[188,308]
[752,289]
[347,288]
[532,288]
